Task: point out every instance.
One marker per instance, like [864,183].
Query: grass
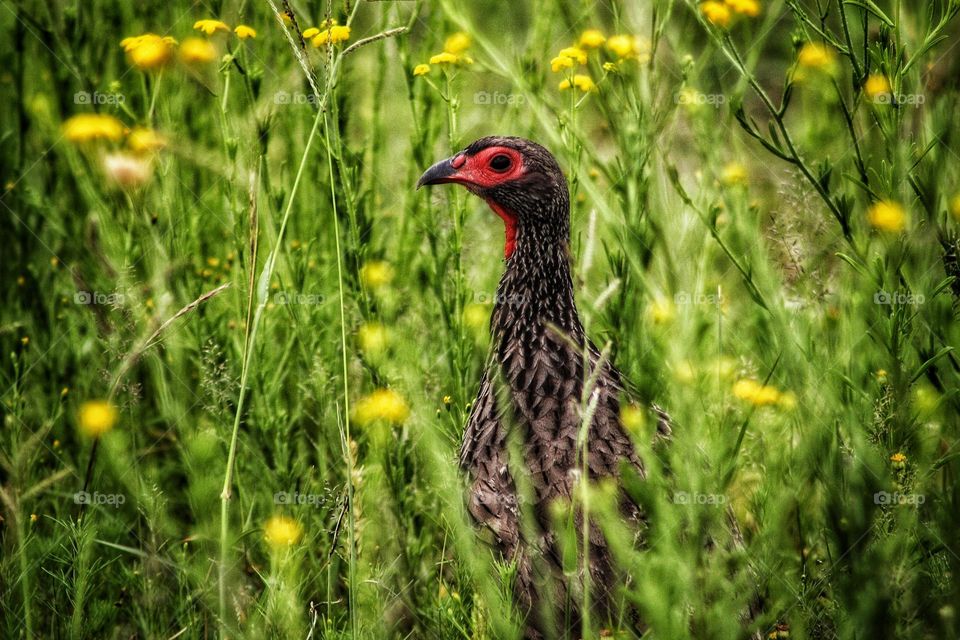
[764,217]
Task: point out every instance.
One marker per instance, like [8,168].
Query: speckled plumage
[545,362]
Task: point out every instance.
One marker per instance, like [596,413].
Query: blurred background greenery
[239,347]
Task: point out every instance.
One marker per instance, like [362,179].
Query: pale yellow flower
[310,33]
[144,140]
[733,174]
[633,418]
[243,32]
[955,207]
[749,8]
[661,311]
[87,127]
[457,43]
[376,274]
[574,53]
[876,85]
[96,418]
[816,56]
[716,13]
[759,395]
[887,215]
[421,70]
[148,51]
[383,405]
[281,532]
[622,45]
[444,58]
[197,51]
[582,82]
[210,27]
[561,62]
[332,35]
[592,39]
[373,338]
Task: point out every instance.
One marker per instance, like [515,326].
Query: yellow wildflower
[210,27]
[592,38]
[376,274]
[477,317]
[899,459]
[816,56]
[622,45]
[759,395]
[955,207]
[87,127]
[887,215]
[876,86]
[332,35]
[243,32]
[34,517]
[633,418]
[716,13]
[661,311]
[421,70]
[384,405]
[582,82]
[444,58]
[311,32]
[457,43]
[749,8]
[733,173]
[197,50]
[373,338]
[143,140]
[281,531]
[96,418]
[574,53]
[148,51]
[561,62]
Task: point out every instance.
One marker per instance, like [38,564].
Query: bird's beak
[442,172]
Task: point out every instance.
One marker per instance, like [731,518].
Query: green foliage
[765,213]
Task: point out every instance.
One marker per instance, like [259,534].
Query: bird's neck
[535,295]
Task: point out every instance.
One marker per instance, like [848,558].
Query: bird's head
[519,179]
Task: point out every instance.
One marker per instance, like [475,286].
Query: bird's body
[547,393]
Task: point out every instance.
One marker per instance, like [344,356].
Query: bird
[541,372]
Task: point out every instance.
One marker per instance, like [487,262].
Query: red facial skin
[475,171]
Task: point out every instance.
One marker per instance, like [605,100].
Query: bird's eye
[500,163]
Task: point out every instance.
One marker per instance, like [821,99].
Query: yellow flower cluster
[383,405]
[816,57]
[376,274]
[329,32]
[722,13]
[454,52]
[619,47]
[887,215]
[148,51]
[88,127]
[96,417]
[281,532]
[762,395]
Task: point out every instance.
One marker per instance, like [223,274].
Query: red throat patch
[509,228]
